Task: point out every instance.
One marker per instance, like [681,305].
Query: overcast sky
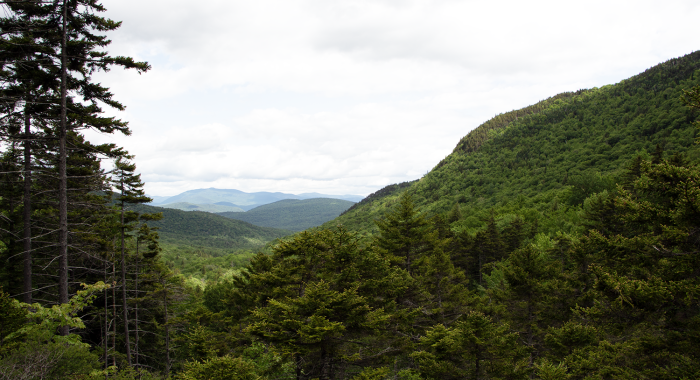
[346,97]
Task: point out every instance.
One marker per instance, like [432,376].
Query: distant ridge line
[381,193]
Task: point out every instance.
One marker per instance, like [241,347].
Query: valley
[556,241]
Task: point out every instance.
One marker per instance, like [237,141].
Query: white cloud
[348,96]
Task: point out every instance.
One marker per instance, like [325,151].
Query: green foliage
[370,373]
[293,214]
[38,351]
[644,255]
[224,368]
[475,347]
[404,234]
[559,241]
[47,320]
[691,98]
[12,318]
[205,263]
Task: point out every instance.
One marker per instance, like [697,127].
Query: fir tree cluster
[419,300]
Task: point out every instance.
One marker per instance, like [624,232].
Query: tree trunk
[477,363]
[106,341]
[297,363]
[167,333]
[530,333]
[114,315]
[325,365]
[62,175]
[125,309]
[136,311]
[27,271]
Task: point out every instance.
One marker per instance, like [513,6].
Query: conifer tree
[444,296]
[130,192]
[475,347]
[488,247]
[530,279]
[644,258]
[327,299]
[455,214]
[80,56]
[403,233]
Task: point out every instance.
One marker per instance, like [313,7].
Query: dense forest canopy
[560,241]
[293,214]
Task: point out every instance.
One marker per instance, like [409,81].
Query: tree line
[421,301]
[64,219]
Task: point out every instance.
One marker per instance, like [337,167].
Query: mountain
[216,207]
[550,156]
[243,200]
[157,199]
[347,197]
[293,214]
[203,229]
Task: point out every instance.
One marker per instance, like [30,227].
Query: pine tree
[130,192]
[455,214]
[487,248]
[321,298]
[80,54]
[403,233]
[475,347]
[644,258]
[530,281]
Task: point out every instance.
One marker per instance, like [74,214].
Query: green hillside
[205,229]
[553,153]
[293,214]
[205,245]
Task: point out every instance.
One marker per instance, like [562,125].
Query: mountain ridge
[204,229]
[241,199]
[293,214]
[545,152]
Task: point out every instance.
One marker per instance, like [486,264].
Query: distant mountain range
[293,214]
[216,207]
[234,198]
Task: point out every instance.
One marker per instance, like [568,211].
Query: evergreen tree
[530,280]
[80,53]
[328,298]
[130,192]
[476,347]
[487,248]
[403,234]
[455,214]
[644,258]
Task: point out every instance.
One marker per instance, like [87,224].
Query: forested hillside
[292,214]
[205,245]
[564,148]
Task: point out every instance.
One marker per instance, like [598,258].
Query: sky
[346,97]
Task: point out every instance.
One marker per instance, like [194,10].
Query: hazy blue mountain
[225,204]
[347,197]
[293,214]
[216,207]
[241,199]
[157,199]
